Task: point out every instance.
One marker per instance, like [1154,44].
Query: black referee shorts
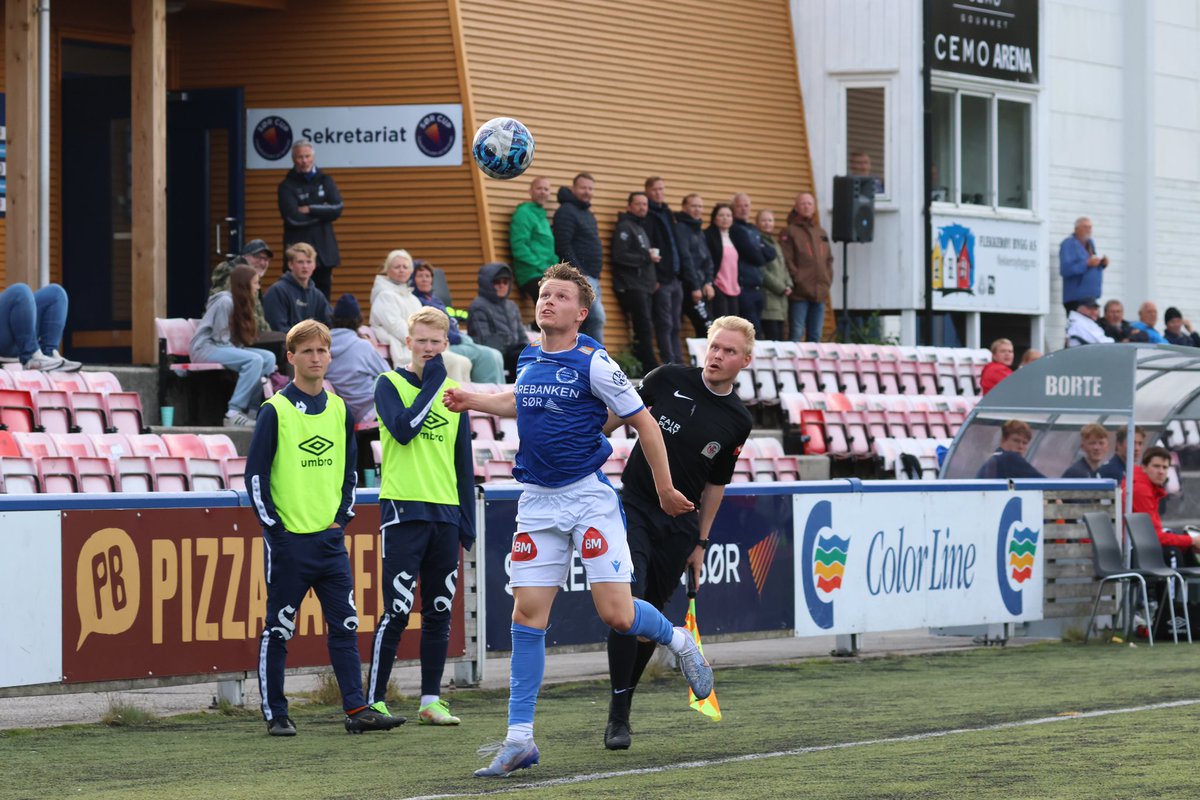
[659,546]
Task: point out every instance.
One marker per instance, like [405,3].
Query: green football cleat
[437,713]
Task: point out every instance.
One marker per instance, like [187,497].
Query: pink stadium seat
[483,427]
[868,376]
[377,451]
[95,475]
[763,469]
[147,444]
[506,429]
[111,445]
[6,380]
[856,433]
[908,378]
[17,410]
[807,375]
[35,444]
[889,377]
[204,474]
[743,471]
[135,474]
[836,443]
[812,425]
[938,427]
[482,453]
[219,446]
[897,424]
[8,445]
[53,410]
[918,424]
[184,445]
[32,380]
[125,412]
[785,375]
[768,446]
[837,401]
[58,475]
[235,473]
[79,445]
[787,468]
[88,411]
[101,381]
[876,422]
[19,475]
[69,381]
[170,474]
[498,471]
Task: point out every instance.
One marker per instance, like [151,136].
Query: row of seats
[847,426]
[32,462]
[64,402]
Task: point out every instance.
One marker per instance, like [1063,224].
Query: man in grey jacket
[577,241]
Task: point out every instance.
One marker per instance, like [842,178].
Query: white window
[982,149]
[866,143]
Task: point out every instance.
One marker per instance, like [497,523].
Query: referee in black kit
[704,426]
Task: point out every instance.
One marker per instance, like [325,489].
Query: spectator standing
[1082,327]
[633,275]
[1009,459]
[670,270]
[753,255]
[999,368]
[392,303]
[294,297]
[698,281]
[1093,441]
[577,242]
[1082,270]
[355,362]
[531,240]
[487,364]
[493,319]
[31,327]
[224,336]
[1147,322]
[725,256]
[809,260]
[1179,330]
[255,254]
[309,202]
[777,283]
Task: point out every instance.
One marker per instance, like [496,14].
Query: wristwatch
[704,543]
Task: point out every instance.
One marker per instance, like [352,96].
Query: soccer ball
[503,148]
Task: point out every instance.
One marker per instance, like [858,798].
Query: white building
[1042,111]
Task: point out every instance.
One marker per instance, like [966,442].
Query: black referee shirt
[703,432]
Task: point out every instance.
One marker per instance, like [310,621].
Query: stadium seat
[897,424]
[58,475]
[483,428]
[135,474]
[235,473]
[837,402]
[918,424]
[765,386]
[53,410]
[6,381]
[497,471]
[204,474]
[377,451]
[79,445]
[125,412]
[8,445]
[785,375]
[34,444]
[219,446]
[69,381]
[868,375]
[184,445]
[836,443]
[148,444]
[95,475]
[19,475]
[787,468]
[88,411]
[812,425]
[889,377]
[101,381]
[763,469]
[170,474]
[856,433]
[743,471]
[17,410]
[827,375]
[927,378]
[111,445]
[32,380]
[767,446]
[807,375]
[506,429]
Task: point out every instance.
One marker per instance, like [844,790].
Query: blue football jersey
[562,404]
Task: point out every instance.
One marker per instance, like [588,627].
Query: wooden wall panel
[353,52]
[704,95]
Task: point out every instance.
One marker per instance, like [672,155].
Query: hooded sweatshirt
[354,366]
[576,234]
[287,303]
[494,321]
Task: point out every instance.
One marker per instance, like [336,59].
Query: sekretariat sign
[989,38]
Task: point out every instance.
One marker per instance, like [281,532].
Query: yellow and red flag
[708,706]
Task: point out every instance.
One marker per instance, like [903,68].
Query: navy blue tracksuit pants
[295,563]
[412,549]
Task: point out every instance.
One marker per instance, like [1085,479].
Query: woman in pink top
[725,256]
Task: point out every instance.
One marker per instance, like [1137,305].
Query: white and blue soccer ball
[502,148]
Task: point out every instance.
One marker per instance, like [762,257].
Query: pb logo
[824,560]
[316,445]
[594,544]
[1016,555]
[107,584]
[523,548]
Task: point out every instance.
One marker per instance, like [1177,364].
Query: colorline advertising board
[888,561]
[357,136]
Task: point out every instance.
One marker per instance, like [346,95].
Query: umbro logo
[435,420]
[316,445]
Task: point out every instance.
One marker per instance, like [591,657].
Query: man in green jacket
[531,240]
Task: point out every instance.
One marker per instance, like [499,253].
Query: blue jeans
[807,318]
[750,306]
[31,321]
[251,365]
[593,326]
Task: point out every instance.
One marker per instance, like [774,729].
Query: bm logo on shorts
[523,548]
[317,445]
[594,544]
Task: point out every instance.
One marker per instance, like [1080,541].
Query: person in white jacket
[392,302]
[1082,327]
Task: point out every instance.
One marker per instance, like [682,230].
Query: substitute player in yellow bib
[301,478]
[426,509]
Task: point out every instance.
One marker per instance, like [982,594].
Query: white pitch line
[711,762]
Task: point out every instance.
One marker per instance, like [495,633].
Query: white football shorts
[588,515]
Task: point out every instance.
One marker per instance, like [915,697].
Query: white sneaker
[7,360]
[239,420]
[44,363]
[68,365]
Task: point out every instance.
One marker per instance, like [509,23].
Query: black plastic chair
[1108,564]
[1148,556]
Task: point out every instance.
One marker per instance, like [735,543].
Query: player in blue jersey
[566,383]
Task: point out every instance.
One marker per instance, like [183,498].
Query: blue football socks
[528,668]
[650,623]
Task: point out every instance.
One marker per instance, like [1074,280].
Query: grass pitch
[846,729]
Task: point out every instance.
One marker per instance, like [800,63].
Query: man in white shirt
[1082,327]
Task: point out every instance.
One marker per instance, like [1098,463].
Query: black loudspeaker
[853,208]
